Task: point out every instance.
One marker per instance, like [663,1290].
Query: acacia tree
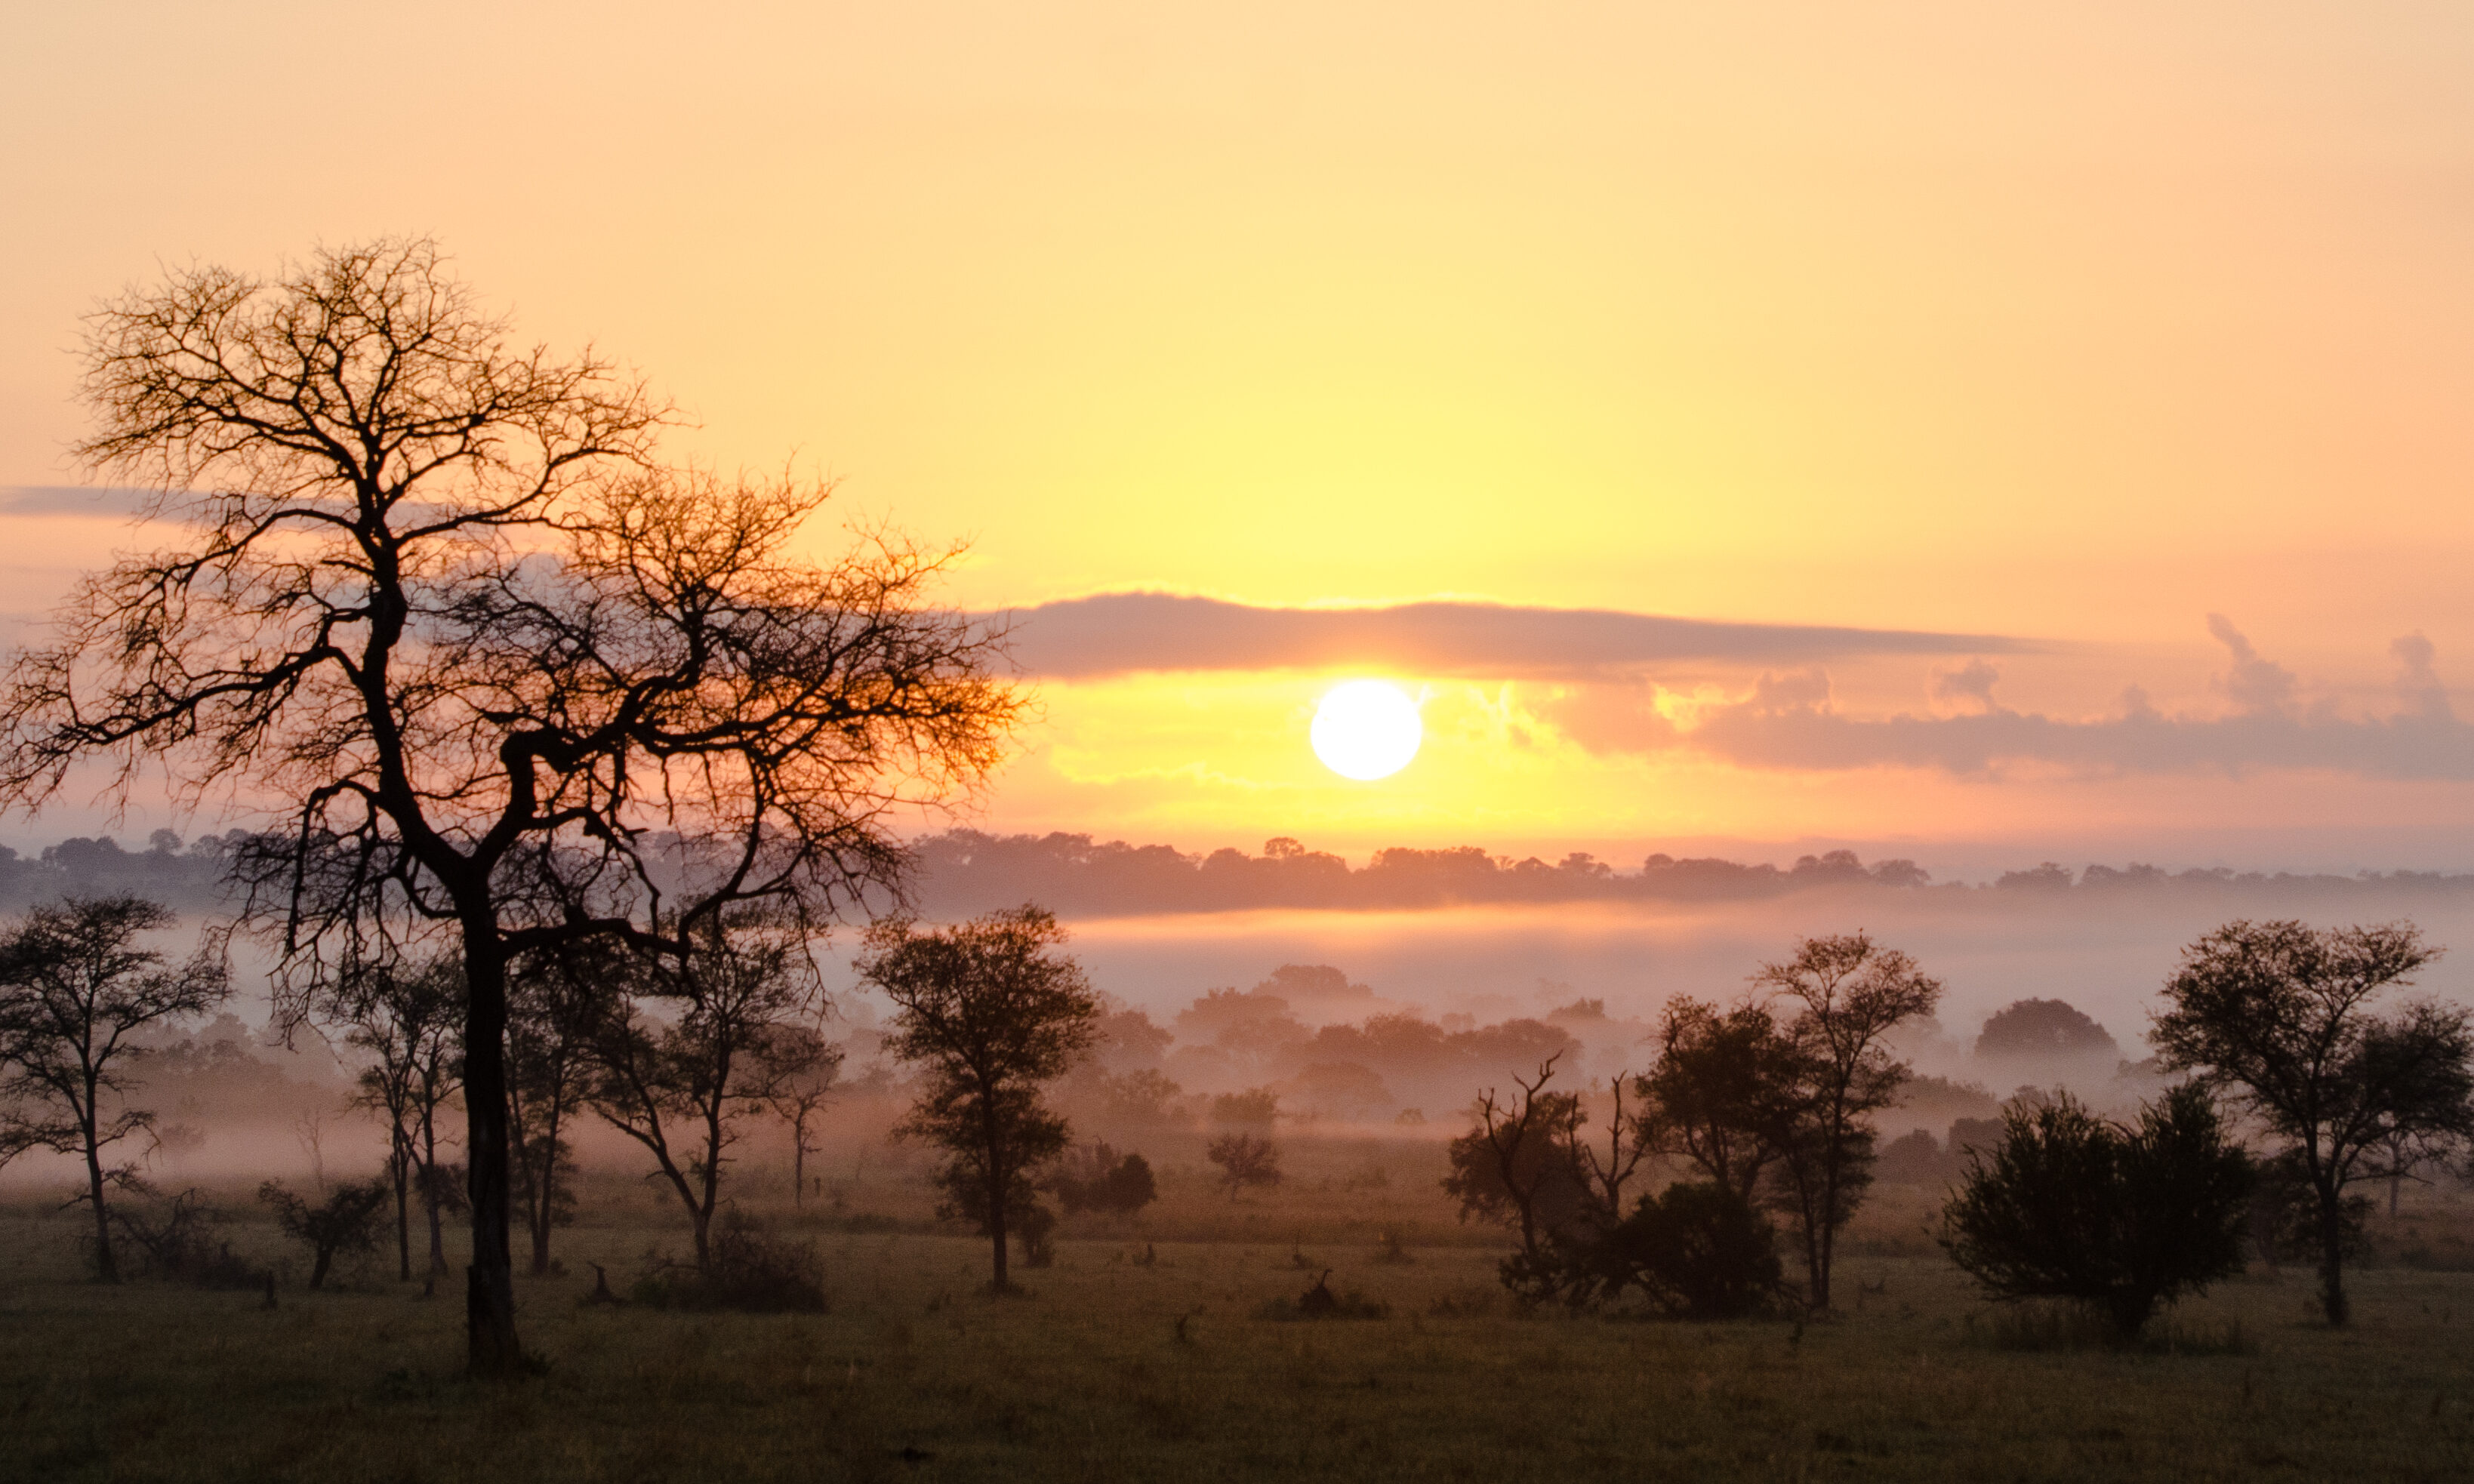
[681,1089]
[74,983]
[1849,993]
[433,588]
[993,1011]
[2282,1015]
[409,1017]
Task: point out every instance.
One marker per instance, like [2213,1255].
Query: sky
[2052,421]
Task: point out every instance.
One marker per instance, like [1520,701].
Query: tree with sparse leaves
[434,589]
[75,984]
[992,1011]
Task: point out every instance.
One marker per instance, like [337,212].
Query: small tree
[1246,1161]
[560,1004]
[74,984]
[346,1221]
[1096,1177]
[2282,1015]
[802,1091]
[681,1089]
[993,1011]
[1849,993]
[407,1015]
[1698,1251]
[2069,1206]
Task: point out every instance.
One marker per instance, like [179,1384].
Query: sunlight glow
[1366,729]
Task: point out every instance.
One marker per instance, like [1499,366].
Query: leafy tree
[993,1011]
[2043,1028]
[2283,1016]
[1246,1161]
[74,984]
[2069,1206]
[1850,993]
[346,1221]
[1725,1091]
[681,1089]
[433,590]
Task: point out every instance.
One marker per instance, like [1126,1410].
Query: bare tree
[433,588]
[74,983]
[2283,1016]
[1850,993]
[681,1089]
[993,1011]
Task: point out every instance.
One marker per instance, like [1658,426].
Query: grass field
[1109,1369]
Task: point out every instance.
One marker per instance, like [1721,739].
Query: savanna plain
[1169,1346]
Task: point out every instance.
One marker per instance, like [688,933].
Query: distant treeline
[966,871]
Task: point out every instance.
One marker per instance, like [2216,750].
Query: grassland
[1111,1369]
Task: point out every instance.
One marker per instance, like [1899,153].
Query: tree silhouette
[560,1002]
[992,1011]
[1850,993]
[2282,1015]
[74,984]
[407,1016]
[432,589]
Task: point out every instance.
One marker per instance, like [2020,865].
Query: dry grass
[1113,1369]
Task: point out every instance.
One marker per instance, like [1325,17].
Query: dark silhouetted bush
[178,1242]
[2076,1207]
[1095,1177]
[346,1221]
[1699,1250]
[746,1271]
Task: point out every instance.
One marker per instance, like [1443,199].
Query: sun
[1366,729]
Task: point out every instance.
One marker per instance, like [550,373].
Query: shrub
[1699,1250]
[1245,1159]
[181,1244]
[745,1272]
[2075,1207]
[1096,1178]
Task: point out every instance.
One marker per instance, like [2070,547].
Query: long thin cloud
[1122,633]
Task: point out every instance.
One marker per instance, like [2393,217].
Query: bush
[2075,1207]
[1245,1159]
[179,1244]
[1699,1250]
[745,1272]
[1094,1179]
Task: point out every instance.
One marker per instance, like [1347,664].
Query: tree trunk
[106,1271]
[490,1291]
[402,1162]
[544,1192]
[997,1230]
[2332,1254]
[798,1164]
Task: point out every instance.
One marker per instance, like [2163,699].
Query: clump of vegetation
[1320,1302]
[179,1244]
[2076,1207]
[344,1221]
[1095,1177]
[1699,1250]
[746,1271]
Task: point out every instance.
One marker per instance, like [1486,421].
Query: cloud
[1788,722]
[1969,687]
[71,499]
[1120,633]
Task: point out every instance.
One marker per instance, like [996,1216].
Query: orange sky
[2075,324]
